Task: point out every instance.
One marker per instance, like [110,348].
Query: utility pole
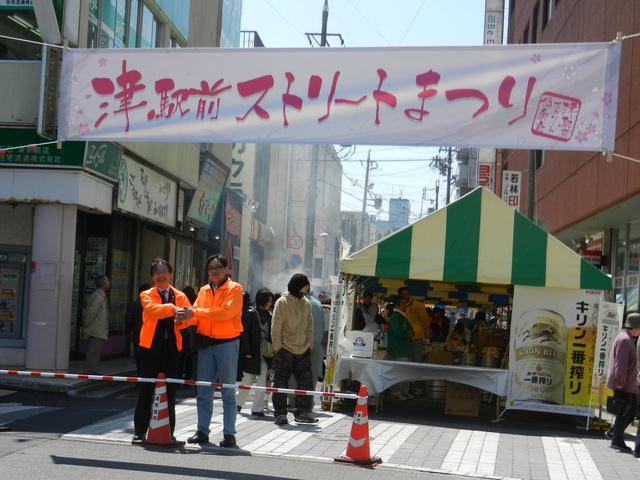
[322,39]
[364,200]
[313,177]
[531,183]
[325,20]
[437,192]
[449,176]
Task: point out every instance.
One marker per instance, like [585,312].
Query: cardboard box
[440,358]
[362,343]
[462,400]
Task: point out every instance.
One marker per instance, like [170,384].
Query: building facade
[588,200]
[80,209]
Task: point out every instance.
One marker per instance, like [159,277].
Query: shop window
[149,34]
[539,158]
[534,23]
[547,10]
[19,24]
[123,24]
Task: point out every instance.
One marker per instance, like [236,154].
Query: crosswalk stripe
[570,458]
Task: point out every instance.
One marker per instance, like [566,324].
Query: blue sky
[375,23]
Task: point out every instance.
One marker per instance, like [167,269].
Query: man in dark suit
[160,344]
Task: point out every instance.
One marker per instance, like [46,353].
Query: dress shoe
[229,441]
[636,454]
[199,437]
[238,408]
[257,414]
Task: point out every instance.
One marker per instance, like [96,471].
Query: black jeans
[622,421]
[151,364]
[299,366]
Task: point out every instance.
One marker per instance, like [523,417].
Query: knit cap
[297,282]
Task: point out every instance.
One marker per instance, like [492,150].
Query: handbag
[266,348]
[83,333]
[617,405]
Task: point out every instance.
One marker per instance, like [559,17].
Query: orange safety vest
[153,310]
[219,315]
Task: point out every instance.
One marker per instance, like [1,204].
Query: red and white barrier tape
[84,376]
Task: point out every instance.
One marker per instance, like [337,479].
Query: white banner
[534,96]
[609,325]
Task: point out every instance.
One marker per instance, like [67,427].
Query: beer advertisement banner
[609,325]
[552,349]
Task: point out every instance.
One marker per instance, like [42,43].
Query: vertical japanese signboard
[511,185]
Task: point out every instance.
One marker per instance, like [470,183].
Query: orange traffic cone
[358,452]
[159,434]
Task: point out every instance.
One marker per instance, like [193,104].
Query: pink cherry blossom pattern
[607,98]
[536,57]
[83,129]
[581,137]
[568,72]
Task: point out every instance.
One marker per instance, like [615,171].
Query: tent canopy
[477,239]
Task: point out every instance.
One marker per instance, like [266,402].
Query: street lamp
[326,236]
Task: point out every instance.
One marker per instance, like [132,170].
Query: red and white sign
[484,175]
[296,242]
[534,96]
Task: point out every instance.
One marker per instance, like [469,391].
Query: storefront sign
[103,158]
[206,199]
[70,155]
[144,192]
[511,185]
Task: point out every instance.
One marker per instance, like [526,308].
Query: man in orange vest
[160,344]
[218,315]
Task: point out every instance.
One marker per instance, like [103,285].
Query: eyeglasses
[213,268]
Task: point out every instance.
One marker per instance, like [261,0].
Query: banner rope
[32,41]
[85,376]
[609,156]
[6,149]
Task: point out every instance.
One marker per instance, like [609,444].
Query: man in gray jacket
[95,321]
[292,336]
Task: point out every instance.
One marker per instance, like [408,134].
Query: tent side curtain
[477,239]
[451,294]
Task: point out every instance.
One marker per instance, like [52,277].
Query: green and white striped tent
[477,239]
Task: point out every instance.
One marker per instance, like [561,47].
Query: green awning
[477,239]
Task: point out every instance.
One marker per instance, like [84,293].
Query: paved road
[460,447]
[412,436]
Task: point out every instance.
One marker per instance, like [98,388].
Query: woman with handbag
[254,351]
[621,379]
